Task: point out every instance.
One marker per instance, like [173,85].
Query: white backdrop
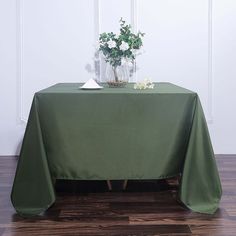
[191,43]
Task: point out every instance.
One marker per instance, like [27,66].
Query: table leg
[109,185]
[125,184]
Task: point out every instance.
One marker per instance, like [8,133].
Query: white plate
[91,84]
[91,88]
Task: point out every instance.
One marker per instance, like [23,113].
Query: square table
[115,134]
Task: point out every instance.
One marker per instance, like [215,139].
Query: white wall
[223,129]
[188,42]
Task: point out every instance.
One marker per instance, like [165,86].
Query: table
[115,134]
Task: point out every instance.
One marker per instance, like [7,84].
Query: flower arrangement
[145,84]
[121,48]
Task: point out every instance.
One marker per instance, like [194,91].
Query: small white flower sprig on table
[145,84]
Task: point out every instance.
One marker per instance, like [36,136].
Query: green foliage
[111,44]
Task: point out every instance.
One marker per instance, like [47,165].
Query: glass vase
[117,77]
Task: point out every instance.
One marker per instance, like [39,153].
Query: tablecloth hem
[123,178]
[36,212]
[209,211]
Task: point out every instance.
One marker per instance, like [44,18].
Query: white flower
[145,84]
[111,44]
[116,36]
[151,86]
[134,51]
[124,46]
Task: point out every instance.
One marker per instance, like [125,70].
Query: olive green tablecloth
[116,134]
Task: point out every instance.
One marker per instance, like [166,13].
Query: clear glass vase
[117,77]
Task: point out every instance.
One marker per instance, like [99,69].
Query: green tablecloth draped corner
[204,193]
[33,190]
[116,134]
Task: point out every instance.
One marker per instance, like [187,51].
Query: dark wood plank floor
[146,208]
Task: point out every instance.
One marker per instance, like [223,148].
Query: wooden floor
[146,208]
